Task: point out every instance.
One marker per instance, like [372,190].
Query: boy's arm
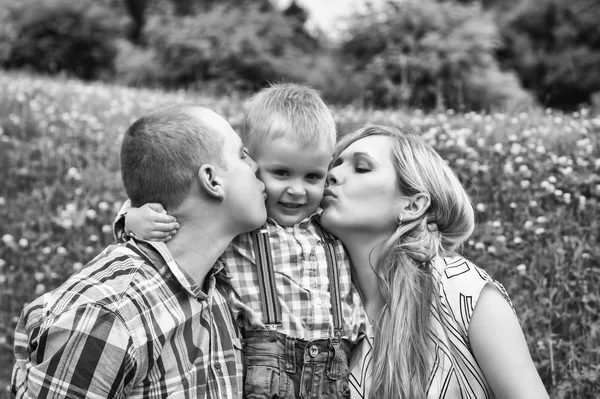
[149,222]
[85,351]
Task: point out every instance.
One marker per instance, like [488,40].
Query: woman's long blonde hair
[401,361]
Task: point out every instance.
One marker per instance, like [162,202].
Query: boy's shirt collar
[303,223]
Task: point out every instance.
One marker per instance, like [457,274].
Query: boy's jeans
[282,367]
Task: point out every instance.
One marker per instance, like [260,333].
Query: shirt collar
[159,255]
[304,222]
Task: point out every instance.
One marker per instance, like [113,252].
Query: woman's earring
[400,219]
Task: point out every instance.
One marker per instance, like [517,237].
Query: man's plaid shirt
[132,324]
[301,279]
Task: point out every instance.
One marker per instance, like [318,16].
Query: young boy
[302,316]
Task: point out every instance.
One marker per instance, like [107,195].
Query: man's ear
[417,205]
[209,182]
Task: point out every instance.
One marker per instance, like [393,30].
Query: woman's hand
[151,222]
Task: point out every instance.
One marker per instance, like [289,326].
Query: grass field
[534,177]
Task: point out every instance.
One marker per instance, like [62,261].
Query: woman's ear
[416,207]
[210,183]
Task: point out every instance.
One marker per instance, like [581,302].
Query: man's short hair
[162,152]
[288,110]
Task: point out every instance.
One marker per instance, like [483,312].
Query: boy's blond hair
[288,110]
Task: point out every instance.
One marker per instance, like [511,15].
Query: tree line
[461,54]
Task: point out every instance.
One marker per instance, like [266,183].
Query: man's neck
[196,247]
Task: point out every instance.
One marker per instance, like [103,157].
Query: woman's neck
[364,252]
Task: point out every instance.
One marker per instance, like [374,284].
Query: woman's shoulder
[458,278]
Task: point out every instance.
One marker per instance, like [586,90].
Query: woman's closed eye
[360,168]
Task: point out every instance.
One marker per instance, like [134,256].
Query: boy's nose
[296,189]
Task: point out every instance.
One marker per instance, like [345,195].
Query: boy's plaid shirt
[301,279]
[132,324]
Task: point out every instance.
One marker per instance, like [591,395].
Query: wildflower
[541,219]
[519,159]
[39,276]
[2,201]
[106,229]
[523,168]
[78,191]
[567,198]
[2,279]
[508,168]
[491,249]
[513,137]
[89,250]
[479,245]
[73,174]
[517,240]
[497,223]
[539,231]
[525,184]
[471,242]
[528,224]
[480,142]
[498,147]
[558,193]
[2,263]
[94,238]
[480,207]
[77,266]
[533,203]
[522,269]
[540,149]
[585,255]
[23,242]
[552,179]
[103,206]
[8,240]
[46,250]
[513,205]
[90,214]
[66,223]
[61,251]
[40,289]
[501,239]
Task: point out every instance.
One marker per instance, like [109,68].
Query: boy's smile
[294,176]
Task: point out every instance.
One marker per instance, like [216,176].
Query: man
[147,319]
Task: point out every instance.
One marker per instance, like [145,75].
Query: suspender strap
[334,280]
[270,306]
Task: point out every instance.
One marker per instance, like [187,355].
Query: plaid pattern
[301,279]
[132,324]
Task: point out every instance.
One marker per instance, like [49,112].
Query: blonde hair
[288,110]
[401,361]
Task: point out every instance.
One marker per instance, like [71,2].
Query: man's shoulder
[109,280]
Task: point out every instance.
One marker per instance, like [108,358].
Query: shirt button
[313,351]
[218,366]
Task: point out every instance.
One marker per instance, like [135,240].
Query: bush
[137,66]
[554,46]
[62,36]
[243,47]
[429,54]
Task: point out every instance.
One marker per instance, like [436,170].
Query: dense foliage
[61,36]
[534,177]
[428,54]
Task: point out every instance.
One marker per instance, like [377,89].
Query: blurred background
[507,91]
[431,54]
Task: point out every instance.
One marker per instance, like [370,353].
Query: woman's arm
[500,348]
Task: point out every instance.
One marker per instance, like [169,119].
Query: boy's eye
[280,172]
[314,176]
[245,153]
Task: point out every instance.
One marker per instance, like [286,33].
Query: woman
[442,327]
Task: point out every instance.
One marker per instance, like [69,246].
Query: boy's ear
[417,205]
[210,182]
